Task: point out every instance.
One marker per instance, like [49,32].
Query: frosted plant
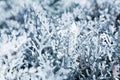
[59,40]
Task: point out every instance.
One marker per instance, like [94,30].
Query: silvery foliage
[59,39]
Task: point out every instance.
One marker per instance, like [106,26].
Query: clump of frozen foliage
[59,39]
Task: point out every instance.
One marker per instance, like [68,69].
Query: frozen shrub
[60,40]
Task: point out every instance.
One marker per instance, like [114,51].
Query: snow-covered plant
[60,40]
